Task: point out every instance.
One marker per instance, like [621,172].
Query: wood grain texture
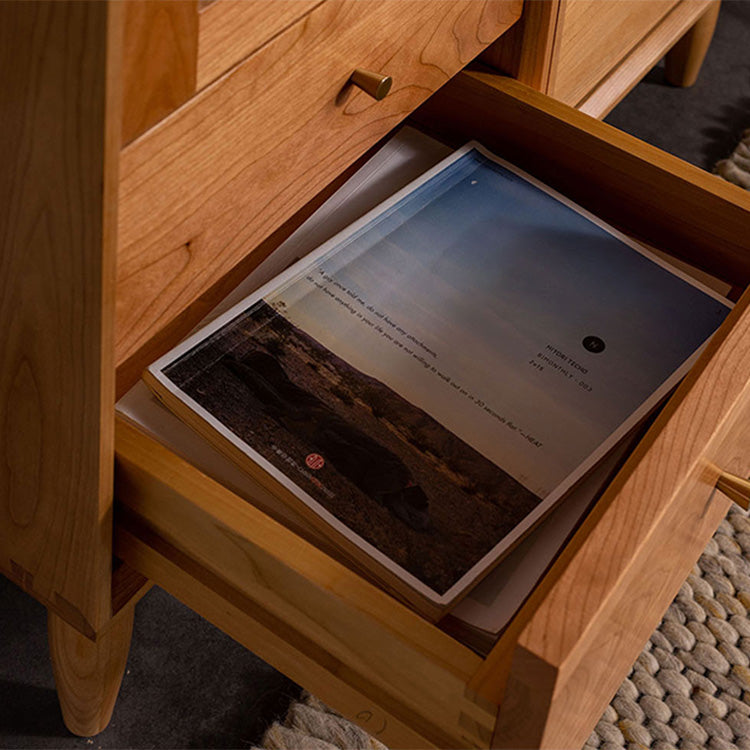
[227,610]
[611,90]
[528,51]
[579,49]
[159,61]
[88,673]
[59,139]
[230,30]
[647,193]
[735,488]
[594,36]
[685,59]
[330,628]
[203,189]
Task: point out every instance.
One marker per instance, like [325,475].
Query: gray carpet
[189,685]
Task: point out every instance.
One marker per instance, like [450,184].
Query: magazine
[426,385]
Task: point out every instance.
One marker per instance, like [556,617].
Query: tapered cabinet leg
[88,673]
[684,60]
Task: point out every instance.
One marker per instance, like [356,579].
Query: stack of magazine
[437,391]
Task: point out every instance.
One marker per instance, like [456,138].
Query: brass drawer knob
[375,84]
[735,488]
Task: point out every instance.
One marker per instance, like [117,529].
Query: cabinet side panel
[57,223]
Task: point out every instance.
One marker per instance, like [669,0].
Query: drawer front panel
[173,49]
[629,559]
[220,174]
[594,36]
[159,48]
[230,30]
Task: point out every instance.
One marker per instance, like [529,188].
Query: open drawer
[553,671]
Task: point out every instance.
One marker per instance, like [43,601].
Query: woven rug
[690,686]
[311,725]
[736,168]
[688,690]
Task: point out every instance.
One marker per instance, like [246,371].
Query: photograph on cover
[381,465]
[436,376]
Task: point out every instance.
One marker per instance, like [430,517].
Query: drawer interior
[324,624]
[648,194]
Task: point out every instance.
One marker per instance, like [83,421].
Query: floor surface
[189,686]
[704,123]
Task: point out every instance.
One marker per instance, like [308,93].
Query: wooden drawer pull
[735,488]
[375,84]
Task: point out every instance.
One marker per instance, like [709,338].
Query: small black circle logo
[593,344]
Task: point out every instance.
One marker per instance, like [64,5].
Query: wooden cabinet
[161,227]
[590,53]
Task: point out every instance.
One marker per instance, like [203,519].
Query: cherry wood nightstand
[154,153]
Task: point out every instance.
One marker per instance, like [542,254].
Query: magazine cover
[427,384]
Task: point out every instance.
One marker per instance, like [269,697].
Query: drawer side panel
[647,193]
[612,585]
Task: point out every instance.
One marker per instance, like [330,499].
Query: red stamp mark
[315,461]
